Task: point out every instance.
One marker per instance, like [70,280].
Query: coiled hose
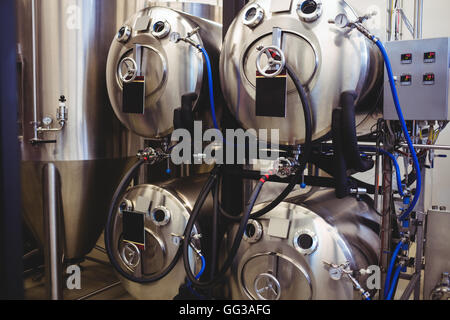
[109,227]
[236,243]
[307,151]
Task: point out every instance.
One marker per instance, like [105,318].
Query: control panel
[421,70]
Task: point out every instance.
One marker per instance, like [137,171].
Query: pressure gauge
[341,20]
[47,121]
[335,274]
[175,37]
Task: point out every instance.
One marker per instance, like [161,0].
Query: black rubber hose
[215,232]
[351,149]
[236,244]
[109,226]
[307,151]
[340,166]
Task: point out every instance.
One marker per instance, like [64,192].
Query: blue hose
[198,276]
[391,268]
[202,270]
[211,86]
[394,283]
[407,213]
[395,162]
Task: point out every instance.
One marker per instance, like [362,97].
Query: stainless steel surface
[437,250]
[442,289]
[418,19]
[52,221]
[328,61]
[327,229]
[177,197]
[420,100]
[63,44]
[87,188]
[170,69]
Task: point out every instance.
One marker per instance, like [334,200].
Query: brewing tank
[167,210]
[328,61]
[285,254]
[145,52]
[62,45]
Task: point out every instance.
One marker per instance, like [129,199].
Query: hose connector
[152,156]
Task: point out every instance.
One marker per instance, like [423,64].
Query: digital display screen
[430,57]
[406,79]
[407,58]
[429,78]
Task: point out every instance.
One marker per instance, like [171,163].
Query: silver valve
[276,61]
[284,167]
[193,32]
[62,117]
[342,21]
[338,271]
[62,113]
[152,156]
[175,37]
[131,70]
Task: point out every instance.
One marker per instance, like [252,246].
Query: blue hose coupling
[407,200]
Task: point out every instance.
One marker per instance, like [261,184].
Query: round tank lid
[273,276]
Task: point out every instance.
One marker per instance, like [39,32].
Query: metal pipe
[418,19]
[389,20]
[53,246]
[33,36]
[409,289]
[428,147]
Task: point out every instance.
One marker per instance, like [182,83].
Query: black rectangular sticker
[271,96]
[134,96]
[134,228]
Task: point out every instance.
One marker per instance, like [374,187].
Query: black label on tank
[134,228]
[271,96]
[134,96]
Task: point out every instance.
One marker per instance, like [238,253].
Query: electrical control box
[421,70]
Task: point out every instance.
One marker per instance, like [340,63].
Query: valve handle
[131,70]
[275,66]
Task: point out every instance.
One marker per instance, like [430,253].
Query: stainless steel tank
[284,255]
[62,46]
[143,48]
[168,208]
[328,61]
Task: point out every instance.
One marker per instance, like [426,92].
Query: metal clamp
[253,16]
[276,63]
[124,34]
[132,70]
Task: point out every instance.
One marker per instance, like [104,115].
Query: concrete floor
[94,276]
